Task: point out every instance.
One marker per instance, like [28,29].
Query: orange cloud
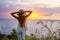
[34,15]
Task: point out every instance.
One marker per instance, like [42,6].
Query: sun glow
[34,15]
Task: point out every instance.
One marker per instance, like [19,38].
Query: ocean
[6,26]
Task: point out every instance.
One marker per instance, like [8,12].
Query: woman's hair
[21,11]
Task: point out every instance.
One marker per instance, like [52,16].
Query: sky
[44,9]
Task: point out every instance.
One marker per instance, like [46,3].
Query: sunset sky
[42,9]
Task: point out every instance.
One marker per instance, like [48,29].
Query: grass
[13,36]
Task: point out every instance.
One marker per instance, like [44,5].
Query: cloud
[35,3]
[48,7]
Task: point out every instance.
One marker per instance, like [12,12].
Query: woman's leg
[19,33]
[23,34]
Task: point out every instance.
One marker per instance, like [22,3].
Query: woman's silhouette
[21,17]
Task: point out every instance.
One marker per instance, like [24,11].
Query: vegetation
[13,36]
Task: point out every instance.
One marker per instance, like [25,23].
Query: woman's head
[21,11]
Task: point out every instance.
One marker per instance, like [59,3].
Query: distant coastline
[31,19]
